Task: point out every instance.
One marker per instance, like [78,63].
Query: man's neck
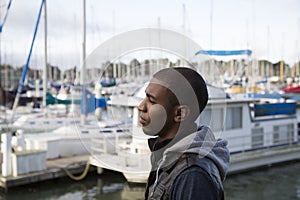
[168,134]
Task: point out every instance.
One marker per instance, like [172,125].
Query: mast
[1,28]
[281,64]
[45,72]
[268,51]
[297,51]
[25,69]
[0,56]
[184,33]
[159,64]
[82,74]
[114,33]
[211,23]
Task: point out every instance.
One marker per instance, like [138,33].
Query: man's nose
[142,106]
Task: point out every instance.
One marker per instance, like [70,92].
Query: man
[187,162]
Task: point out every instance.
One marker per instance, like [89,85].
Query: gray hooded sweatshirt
[201,143]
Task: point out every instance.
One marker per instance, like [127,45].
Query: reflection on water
[276,183]
[282,182]
[114,186]
[109,185]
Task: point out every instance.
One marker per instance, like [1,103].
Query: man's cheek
[158,118]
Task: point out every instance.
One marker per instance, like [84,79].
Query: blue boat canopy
[268,109]
[224,52]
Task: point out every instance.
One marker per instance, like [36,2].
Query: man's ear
[181,113]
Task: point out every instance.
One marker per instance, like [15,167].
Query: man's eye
[151,101]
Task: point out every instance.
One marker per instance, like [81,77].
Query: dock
[56,168]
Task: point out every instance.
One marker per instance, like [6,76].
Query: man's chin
[148,131]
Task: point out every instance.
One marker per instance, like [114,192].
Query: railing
[110,142]
[238,144]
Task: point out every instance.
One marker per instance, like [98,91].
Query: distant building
[260,69]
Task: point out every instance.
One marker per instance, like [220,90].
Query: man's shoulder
[200,178]
[195,173]
[194,182]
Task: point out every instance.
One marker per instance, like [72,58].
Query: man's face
[156,111]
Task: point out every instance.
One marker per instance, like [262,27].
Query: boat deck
[55,169]
[246,161]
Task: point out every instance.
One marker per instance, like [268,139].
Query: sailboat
[292,88]
[69,130]
[57,115]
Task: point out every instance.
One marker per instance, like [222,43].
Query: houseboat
[260,132]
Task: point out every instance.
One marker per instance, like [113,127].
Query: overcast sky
[270,28]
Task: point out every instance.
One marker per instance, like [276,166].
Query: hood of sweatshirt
[201,142]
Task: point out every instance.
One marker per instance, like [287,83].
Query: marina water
[276,183]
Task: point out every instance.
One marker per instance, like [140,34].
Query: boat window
[217,119]
[84,132]
[122,130]
[212,117]
[31,122]
[283,134]
[234,118]
[257,137]
[105,131]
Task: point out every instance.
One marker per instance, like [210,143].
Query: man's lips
[142,120]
